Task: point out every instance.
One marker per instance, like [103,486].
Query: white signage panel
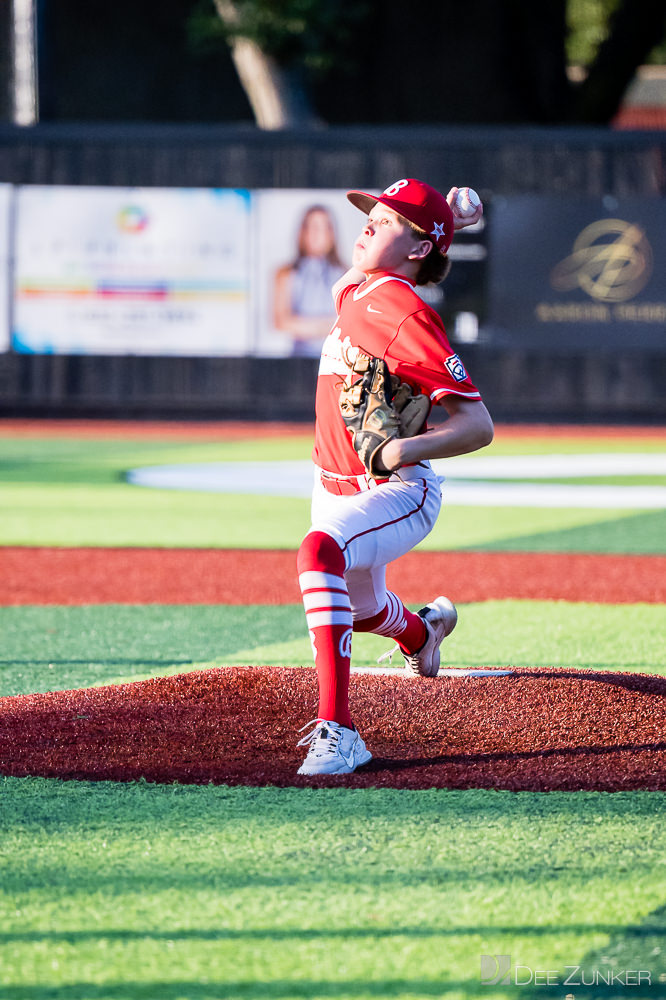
[149,271]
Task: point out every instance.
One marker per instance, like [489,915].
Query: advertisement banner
[146,271]
[578,273]
[304,241]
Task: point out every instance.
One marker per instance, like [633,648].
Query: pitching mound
[534,730]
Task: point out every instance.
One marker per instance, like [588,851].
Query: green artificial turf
[71,492]
[122,515]
[54,648]
[549,529]
[154,892]
[125,892]
[105,460]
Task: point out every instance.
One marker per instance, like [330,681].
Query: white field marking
[551,466]
[278,479]
[468,479]
[445,672]
[480,494]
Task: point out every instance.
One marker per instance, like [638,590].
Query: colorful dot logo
[132,219]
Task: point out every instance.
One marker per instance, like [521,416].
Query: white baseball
[467,202]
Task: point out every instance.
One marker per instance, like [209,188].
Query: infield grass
[55,648]
[69,492]
[123,515]
[139,891]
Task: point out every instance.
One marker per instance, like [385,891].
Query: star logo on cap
[438,230]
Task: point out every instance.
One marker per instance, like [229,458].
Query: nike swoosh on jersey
[371,309]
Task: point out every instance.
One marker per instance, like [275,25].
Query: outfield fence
[617,374]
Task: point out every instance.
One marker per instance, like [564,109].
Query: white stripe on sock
[324,599]
[395,623]
[329,616]
[315,580]
[393,612]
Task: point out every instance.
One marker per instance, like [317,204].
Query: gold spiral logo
[611,260]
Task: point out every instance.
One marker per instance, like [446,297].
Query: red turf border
[239,429]
[243,576]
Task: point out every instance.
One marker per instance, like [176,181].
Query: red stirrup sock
[321,567]
[396,622]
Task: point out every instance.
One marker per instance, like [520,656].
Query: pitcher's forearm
[467,429]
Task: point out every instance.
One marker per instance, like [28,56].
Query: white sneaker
[334,749]
[440,619]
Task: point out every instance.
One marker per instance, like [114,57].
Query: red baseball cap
[417,202]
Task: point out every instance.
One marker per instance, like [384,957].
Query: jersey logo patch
[371,309]
[456,368]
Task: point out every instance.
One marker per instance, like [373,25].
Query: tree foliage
[634,28]
[310,34]
[504,61]
[588,23]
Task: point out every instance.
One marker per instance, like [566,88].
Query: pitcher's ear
[421,251]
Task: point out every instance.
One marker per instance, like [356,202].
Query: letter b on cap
[392,191]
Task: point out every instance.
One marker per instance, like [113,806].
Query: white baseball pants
[376,526]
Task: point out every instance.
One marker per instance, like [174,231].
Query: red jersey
[385,318]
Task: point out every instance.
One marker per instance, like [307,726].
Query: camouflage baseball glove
[377,407]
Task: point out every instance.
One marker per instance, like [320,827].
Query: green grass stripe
[122,515]
[24,455]
[54,648]
[548,529]
[68,491]
[171,892]
[100,460]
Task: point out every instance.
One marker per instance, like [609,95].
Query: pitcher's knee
[319,551]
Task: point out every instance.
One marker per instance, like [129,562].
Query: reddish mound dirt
[535,730]
[167,430]
[242,576]
[226,430]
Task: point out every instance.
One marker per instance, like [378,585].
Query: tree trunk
[277,98]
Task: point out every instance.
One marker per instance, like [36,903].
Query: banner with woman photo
[303,243]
